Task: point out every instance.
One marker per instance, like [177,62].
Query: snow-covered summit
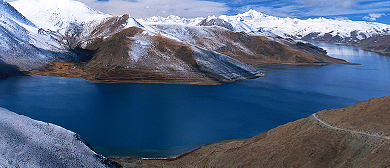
[56,14]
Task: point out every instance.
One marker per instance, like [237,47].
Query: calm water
[155,120]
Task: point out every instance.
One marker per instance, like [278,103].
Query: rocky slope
[356,136]
[25,142]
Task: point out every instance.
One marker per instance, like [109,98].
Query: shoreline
[74,70]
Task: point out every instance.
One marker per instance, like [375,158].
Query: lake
[160,120]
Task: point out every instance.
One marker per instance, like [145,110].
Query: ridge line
[347,130]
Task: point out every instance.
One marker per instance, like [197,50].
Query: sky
[357,10]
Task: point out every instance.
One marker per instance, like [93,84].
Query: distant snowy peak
[253,21]
[56,14]
[297,28]
[250,15]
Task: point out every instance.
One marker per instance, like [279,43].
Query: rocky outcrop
[356,136]
[25,142]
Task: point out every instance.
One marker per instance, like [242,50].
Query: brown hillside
[356,136]
[112,62]
[379,44]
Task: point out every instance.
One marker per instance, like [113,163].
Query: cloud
[346,4]
[373,16]
[148,8]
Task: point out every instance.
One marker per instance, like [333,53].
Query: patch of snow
[132,22]
[139,47]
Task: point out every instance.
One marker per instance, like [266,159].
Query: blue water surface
[160,120]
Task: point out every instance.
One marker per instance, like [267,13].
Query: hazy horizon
[357,10]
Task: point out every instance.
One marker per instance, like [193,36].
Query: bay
[161,120]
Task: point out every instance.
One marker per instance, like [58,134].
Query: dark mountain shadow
[7,70]
[83,55]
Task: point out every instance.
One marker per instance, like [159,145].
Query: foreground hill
[356,136]
[25,142]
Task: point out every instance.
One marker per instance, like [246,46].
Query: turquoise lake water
[158,120]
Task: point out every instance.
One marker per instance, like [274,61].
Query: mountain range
[67,38]
[340,30]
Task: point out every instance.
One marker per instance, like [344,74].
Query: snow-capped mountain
[57,14]
[143,54]
[21,44]
[338,30]
[120,48]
